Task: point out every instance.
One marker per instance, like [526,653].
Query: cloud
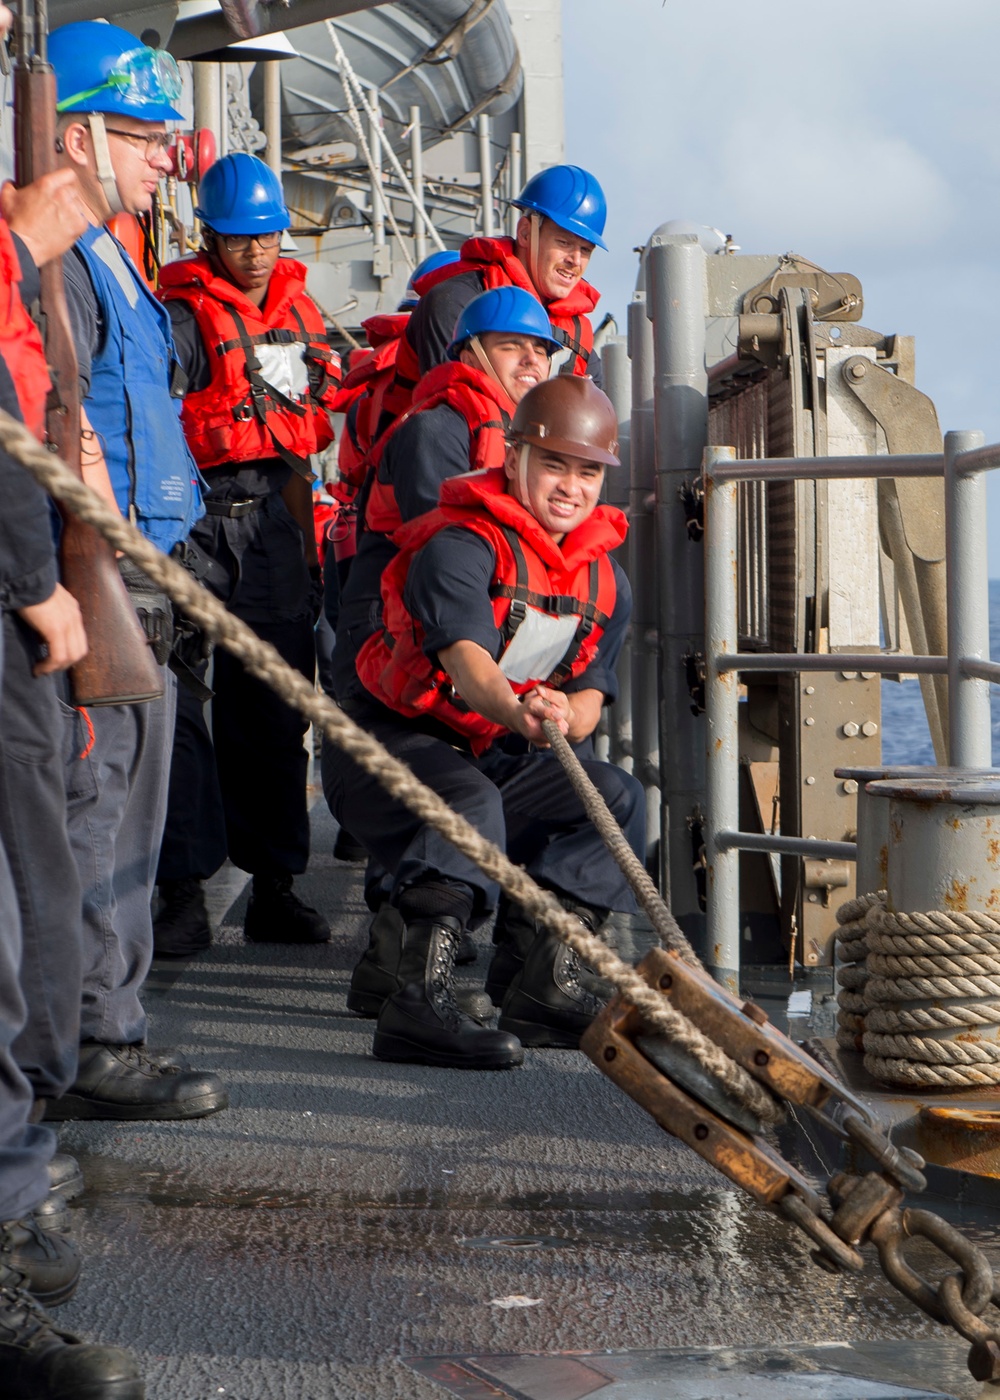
[868,147]
[814,180]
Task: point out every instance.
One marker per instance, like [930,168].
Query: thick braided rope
[670,931]
[263,661]
[932,976]
[852,949]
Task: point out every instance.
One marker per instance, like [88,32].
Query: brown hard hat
[569,414]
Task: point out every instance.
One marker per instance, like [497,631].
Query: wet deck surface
[345,1220]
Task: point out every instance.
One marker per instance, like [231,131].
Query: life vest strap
[572,341]
[263,395]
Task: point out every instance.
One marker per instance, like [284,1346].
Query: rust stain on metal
[993,851]
[967,1139]
[957,898]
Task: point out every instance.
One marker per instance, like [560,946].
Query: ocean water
[905,736]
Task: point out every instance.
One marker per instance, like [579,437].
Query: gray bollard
[873,814]
[932,1017]
[944,841]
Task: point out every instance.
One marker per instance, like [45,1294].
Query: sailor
[457,423]
[114,99]
[503,608]
[42,633]
[368,392]
[563,216]
[261,385]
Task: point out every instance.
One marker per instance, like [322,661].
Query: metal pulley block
[613,1042]
[743,1031]
[690,1103]
[709,1120]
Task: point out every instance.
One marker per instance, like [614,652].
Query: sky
[866,137]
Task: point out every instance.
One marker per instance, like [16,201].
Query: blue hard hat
[571,198]
[101,68]
[240,194]
[504,310]
[444,257]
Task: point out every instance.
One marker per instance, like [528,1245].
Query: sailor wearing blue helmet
[443,257]
[563,217]
[115,96]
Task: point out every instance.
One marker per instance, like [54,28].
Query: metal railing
[967,665]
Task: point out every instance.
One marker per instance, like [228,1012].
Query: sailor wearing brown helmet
[502,609]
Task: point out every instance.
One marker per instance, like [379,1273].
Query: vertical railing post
[208,85]
[272,113]
[722,946]
[970,739]
[486,173]
[642,576]
[618,387]
[378,195]
[675,302]
[417,181]
[515,180]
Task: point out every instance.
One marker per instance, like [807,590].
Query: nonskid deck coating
[345,1217]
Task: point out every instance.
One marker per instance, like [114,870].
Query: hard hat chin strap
[105,170]
[522,475]
[476,346]
[534,239]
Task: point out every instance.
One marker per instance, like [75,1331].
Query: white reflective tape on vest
[284,368]
[538,646]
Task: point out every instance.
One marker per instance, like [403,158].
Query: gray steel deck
[344,1215]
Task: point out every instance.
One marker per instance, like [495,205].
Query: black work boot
[49,1263]
[422,1023]
[375,977]
[38,1361]
[466,953]
[122,1082]
[554,997]
[181,928]
[513,935]
[275,914]
[65,1184]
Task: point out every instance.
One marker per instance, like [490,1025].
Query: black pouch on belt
[153,608]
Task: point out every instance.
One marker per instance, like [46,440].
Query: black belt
[234,509]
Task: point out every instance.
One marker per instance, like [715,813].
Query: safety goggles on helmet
[142,76]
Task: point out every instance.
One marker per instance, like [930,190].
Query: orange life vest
[480,400]
[20,343]
[568,590]
[369,385]
[498,265]
[240,416]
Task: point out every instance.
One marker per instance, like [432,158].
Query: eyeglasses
[157,143]
[240,242]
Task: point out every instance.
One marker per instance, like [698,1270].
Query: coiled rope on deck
[932,997]
[852,950]
[263,661]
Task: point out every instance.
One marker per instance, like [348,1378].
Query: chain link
[889,1234]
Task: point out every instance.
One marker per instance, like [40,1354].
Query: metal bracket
[834,296]
[692,498]
[694,669]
